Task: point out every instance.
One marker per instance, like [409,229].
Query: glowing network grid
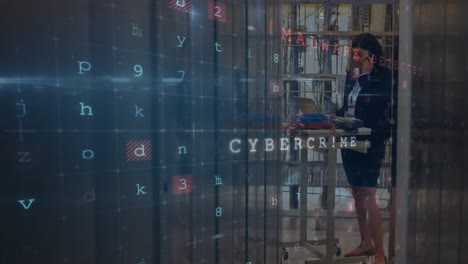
[122,144]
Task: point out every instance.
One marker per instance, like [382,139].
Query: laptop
[305,105]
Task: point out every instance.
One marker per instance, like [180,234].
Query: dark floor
[346,229]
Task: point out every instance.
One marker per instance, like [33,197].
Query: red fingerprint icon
[181,5]
[138,150]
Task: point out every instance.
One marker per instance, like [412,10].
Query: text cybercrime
[235,145]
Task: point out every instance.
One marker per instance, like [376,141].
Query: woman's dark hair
[355,41]
[369,42]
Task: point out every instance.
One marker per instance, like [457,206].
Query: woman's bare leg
[366,246]
[375,219]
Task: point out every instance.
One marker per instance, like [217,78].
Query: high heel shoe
[380,259]
[361,250]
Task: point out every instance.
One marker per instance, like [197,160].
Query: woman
[367,95]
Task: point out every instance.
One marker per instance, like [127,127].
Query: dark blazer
[371,103]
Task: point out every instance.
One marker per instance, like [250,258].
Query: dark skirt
[363,169]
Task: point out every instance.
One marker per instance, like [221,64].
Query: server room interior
[380,20]
[429,158]
[427,154]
